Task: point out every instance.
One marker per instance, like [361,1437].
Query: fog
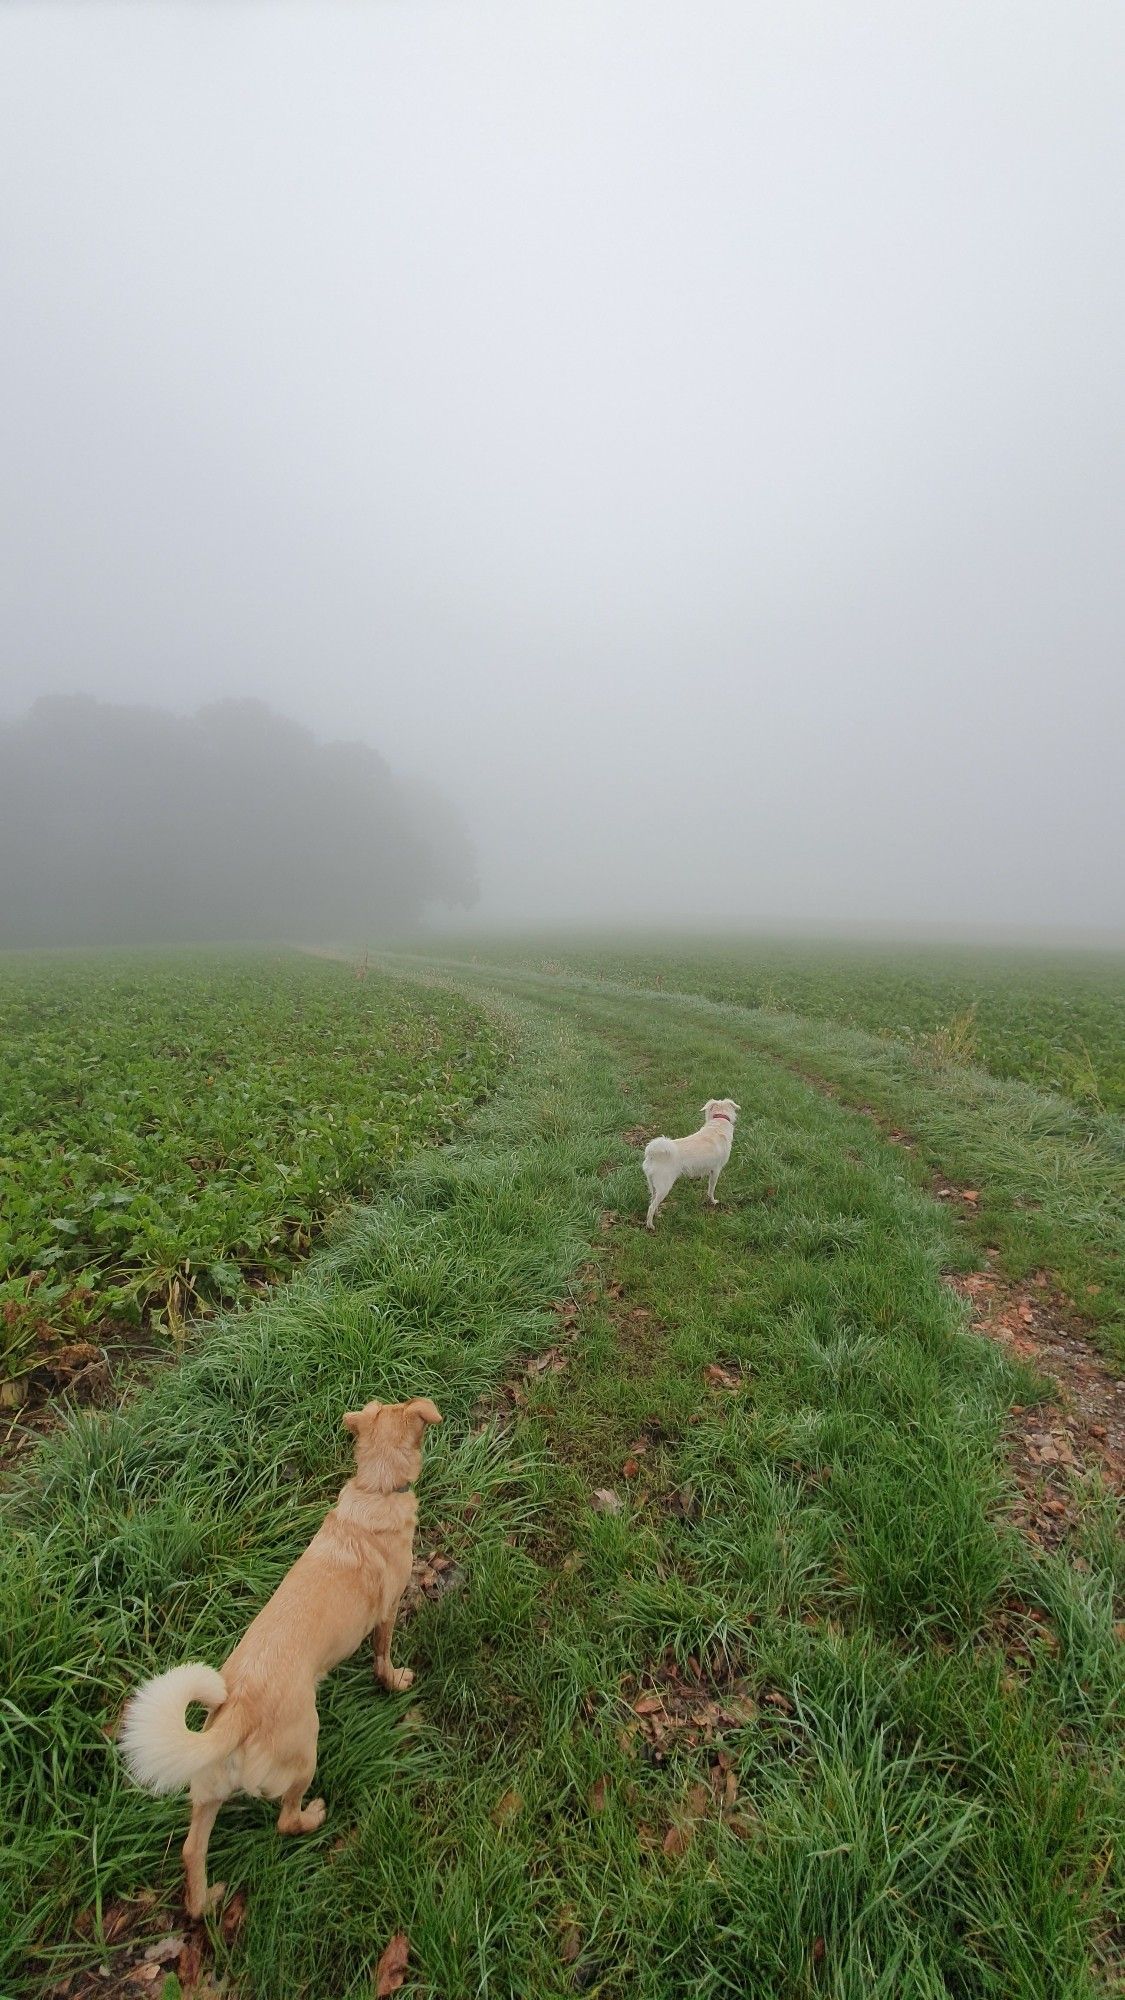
[689,437]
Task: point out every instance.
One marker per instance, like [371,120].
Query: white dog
[701,1157]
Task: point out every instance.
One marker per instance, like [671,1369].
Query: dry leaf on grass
[677,1840]
[506,1808]
[604,1500]
[551,1362]
[391,1969]
[722,1378]
[596,1796]
[188,1964]
[234,1915]
[165,1948]
[571,1944]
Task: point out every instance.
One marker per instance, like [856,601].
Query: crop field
[768,1613]
[174,1128]
[1056,1020]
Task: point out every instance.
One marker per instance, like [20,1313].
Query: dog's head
[724,1108]
[388,1441]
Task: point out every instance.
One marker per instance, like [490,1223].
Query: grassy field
[805,1716]
[1056,1020]
[173,1128]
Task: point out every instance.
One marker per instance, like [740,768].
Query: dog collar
[721,1114]
[402,1489]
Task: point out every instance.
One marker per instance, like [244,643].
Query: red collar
[722,1114]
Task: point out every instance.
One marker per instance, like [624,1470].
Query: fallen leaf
[551,1362]
[818,1949]
[116,1917]
[391,1969]
[605,1501]
[234,1915]
[506,1808]
[780,1701]
[677,1840]
[630,1469]
[597,1794]
[722,1378]
[698,1801]
[649,1704]
[571,1944]
[190,1959]
[165,1948]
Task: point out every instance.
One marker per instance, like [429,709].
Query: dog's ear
[708,1108]
[737,1107]
[354,1420]
[422,1407]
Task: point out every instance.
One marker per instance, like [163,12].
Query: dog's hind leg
[659,1197]
[709,1198]
[295,1818]
[197,1897]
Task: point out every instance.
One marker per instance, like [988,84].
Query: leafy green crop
[173,1126]
[1053,1019]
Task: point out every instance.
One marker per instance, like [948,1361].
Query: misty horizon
[691,442]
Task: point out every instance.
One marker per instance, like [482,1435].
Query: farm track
[785,1710]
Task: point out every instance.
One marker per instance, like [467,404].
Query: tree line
[131,825]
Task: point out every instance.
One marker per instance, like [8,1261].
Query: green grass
[892,1802]
[1052,1019]
[1049,1173]
[174,1125]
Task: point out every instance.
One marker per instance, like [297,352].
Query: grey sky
[693,433]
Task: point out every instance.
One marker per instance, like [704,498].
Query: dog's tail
[658,1149]
[161,1752]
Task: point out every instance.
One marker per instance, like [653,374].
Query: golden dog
[260,1736]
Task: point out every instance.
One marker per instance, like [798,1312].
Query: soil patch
[1052,1445]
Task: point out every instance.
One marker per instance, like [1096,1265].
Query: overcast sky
[693,433]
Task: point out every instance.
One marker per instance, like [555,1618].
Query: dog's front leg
[396,1679]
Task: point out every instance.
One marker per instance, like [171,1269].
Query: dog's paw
[397,1679]
[313,1815]
[211,1900]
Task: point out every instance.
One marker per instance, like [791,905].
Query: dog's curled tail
[161,1752]
[659,1149]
